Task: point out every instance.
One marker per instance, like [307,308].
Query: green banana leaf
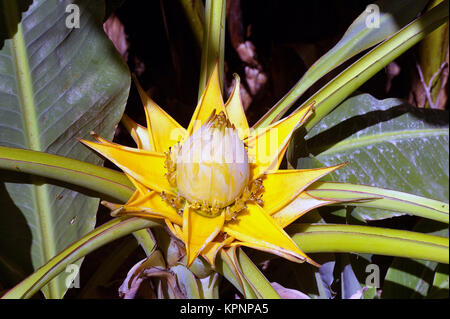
[57,83]
[440,288]
[413,279]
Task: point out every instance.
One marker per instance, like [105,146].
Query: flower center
[211,167]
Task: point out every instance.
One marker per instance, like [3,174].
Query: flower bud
[212,166]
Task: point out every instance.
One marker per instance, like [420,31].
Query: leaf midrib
[31,129]
[372,139]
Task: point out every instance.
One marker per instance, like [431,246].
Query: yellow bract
[202,230]
[216,184]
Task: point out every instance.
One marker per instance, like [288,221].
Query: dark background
[163,50]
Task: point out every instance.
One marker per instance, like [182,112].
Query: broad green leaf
[409,278]
[56,84]
[387,144]
[365,32]
[440,288]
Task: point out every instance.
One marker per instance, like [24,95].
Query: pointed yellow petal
[140,191]
[212,248]
[283,186]
[153,202]
[235,110]
[150,205]
[211,100]
[198,231]
[267,146]
[139,133]
[140,188]
[254,228]
[121,210]
[136,212]
[175,229]
[302,204]
[163,129]
[146,167]
[113,206]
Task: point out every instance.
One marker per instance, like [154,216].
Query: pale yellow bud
[212,166]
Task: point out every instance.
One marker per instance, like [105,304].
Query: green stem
[146,240]
[226,267]
[92,177]
[338,89]
[375,197]
[432,53]
[370,240]
[213,41]
[257,281]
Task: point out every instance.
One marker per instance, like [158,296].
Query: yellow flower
[215,184]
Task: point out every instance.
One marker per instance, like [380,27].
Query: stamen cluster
[210,171]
